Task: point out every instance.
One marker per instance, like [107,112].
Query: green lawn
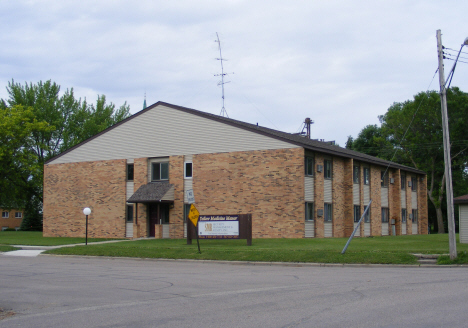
[373,250]
[35,238]
[385,250]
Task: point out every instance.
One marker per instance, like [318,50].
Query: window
[366,175]
[5,214]
[188,170]
[403,215]
[328,215]
[384,179]
[327,169]
[403,182]
[309,166]
[160,171]
[414,184]
[129,213]
[414,216]
[18,215]
[4,228]
[384,214]
[357,213]
[356,173]
[367,216]
[309,211]
[129,172]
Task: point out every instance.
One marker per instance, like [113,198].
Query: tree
[37,123]
[412,132]
[372,141]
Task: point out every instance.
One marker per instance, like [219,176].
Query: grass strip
[462,258]
[6,248]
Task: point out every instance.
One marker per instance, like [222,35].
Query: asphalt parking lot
[52,291]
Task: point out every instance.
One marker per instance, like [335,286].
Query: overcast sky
[341,63]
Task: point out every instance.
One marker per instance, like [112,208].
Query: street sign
[193,215]
[190,196]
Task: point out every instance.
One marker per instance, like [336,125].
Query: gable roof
[313,145]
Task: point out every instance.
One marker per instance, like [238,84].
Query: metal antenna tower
[221,83]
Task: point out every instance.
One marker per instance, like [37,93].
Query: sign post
[193,217]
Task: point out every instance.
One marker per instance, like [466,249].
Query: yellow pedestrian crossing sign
[193,215]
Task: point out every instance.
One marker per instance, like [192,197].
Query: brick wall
[70,187]
[11,221]
[140,178]
[376,206]
[269,184]
[176,177]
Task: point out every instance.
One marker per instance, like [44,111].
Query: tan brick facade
[68,188]
[269,184]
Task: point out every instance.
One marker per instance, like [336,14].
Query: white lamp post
[86,211]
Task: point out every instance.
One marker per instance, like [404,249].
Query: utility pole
[447,156]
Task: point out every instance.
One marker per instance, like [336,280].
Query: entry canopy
[153,192]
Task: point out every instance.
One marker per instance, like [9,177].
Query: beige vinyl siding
[384,197]
[188,184]
[366,229]
[356,194]
[327,191]
[130,189]
[129,230]
[358,231]
[165,231]
[169,195]
[403,228]
[309,229]
[309,189]
[385,228]
[403,198]
[414,200]
[164,131]
[366,194]
[463,223]
[328,229]
[414,229]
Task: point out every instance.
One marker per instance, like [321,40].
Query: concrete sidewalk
[33,251]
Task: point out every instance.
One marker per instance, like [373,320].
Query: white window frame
[185,170]
[404,215]
[5,214]
[18,215]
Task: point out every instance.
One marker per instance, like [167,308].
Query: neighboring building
[134,176]
[462,203]
[11,219]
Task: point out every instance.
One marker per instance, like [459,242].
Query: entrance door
[159,214]
[153,219]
